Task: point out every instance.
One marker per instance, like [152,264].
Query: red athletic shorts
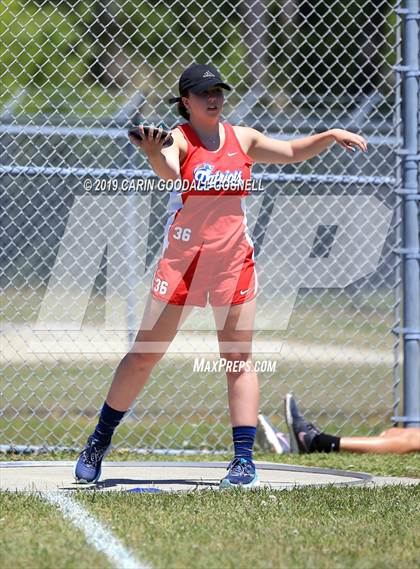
[205,274]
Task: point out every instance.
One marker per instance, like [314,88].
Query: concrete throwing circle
[164,476]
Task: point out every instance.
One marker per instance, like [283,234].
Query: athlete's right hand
[152,142]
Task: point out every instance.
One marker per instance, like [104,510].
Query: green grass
[57,404]
[304,528]
[322,528]
[35,535]
[326,528]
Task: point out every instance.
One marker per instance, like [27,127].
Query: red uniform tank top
[214,186]
[219,172]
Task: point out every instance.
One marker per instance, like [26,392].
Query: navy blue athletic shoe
[301,432]
[241,474]
[269,439]
[88,466]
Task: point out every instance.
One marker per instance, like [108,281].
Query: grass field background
[56,400]
[172,412]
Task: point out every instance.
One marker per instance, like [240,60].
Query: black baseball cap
[198,78]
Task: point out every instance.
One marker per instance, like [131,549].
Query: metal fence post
[410,252]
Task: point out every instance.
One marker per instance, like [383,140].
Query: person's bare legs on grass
[396,441]
[307,438]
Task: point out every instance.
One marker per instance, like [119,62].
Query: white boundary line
[95,533]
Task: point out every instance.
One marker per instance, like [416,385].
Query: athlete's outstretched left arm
[267,150]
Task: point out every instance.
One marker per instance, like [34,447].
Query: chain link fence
[77,265]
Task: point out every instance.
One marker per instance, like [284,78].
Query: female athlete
[207,255]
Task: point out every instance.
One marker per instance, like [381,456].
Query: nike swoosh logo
[232,153]
[244,291]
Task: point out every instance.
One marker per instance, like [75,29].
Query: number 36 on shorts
[182,233]
[160,286]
